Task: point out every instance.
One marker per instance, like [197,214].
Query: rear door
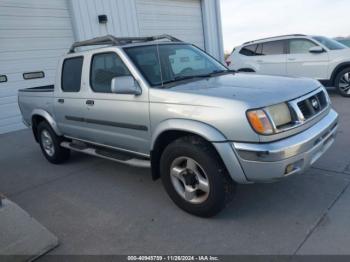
[271,58]
[69,102]
[302,63]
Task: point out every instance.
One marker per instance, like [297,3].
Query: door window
[300,46]
[104,68]
[271,48]
[71,74]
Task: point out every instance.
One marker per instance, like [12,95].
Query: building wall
[121,18]
[123,21]
[33,36]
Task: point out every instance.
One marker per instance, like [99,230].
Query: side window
[71,74]
[272,48]
[300,46]
[249,50]
[104,67]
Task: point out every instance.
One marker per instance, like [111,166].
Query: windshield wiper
[213,73]
[181,78]
[216,72]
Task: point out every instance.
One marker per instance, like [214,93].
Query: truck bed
[35,98]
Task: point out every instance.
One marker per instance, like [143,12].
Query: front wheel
[195,177]
[50,144]
[342,82]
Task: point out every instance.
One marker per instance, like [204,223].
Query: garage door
[33,35]
[180,18]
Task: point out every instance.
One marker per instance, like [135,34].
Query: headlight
[279,114]
[266,121]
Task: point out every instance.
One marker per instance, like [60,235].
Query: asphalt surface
[99,207]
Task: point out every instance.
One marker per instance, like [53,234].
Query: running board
[116,156]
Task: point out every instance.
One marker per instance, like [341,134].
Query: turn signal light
[260,122]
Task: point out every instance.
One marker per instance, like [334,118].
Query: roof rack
[272,38]
[118,41]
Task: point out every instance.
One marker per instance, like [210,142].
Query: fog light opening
[293,167]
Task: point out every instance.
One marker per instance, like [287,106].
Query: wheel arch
[336,70]
[170,130]
[39,115]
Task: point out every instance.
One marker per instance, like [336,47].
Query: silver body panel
[214,108]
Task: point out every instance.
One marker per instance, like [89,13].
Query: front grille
[313,105]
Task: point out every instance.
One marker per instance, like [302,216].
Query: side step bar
[115,156]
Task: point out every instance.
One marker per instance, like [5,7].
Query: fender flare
[208,132]
[212,135]
[48,117]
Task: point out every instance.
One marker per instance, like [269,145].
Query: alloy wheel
[47,143]
[344,83]
[189,180]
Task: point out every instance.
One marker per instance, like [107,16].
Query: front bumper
[265,162]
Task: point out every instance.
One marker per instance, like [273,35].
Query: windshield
[168,63]
[329,43]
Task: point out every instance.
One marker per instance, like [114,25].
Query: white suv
[296,55]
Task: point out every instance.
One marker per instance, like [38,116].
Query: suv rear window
[267,48]
[71,74]
[249,50]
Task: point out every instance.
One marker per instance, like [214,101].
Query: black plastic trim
[107,123]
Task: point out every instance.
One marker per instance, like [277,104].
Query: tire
[342,82]
[48,139]
[177,177]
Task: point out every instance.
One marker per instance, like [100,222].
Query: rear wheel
[195,178]
[50,144]
[342,82]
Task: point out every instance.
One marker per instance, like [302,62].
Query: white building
[34,34]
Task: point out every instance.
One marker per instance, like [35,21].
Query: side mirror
[316,50]
[125,85]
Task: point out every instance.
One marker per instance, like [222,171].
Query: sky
[245,20]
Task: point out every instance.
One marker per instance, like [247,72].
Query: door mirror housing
[316,50]
[125,85]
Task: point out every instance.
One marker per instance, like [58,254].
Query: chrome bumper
[271,161]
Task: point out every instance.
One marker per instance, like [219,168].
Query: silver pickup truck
[161,103]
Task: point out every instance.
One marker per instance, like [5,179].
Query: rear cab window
[71,74]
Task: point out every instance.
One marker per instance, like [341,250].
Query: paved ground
[99,207]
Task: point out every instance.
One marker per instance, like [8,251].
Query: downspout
[219,30]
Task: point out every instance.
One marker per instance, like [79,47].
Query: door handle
[291,59]
[90,102]
[259,61]
[60,100]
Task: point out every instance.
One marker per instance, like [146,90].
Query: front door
[302,63]
[117,120]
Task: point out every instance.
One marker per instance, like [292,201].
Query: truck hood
[255,90]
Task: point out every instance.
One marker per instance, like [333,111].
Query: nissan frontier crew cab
[161,103]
